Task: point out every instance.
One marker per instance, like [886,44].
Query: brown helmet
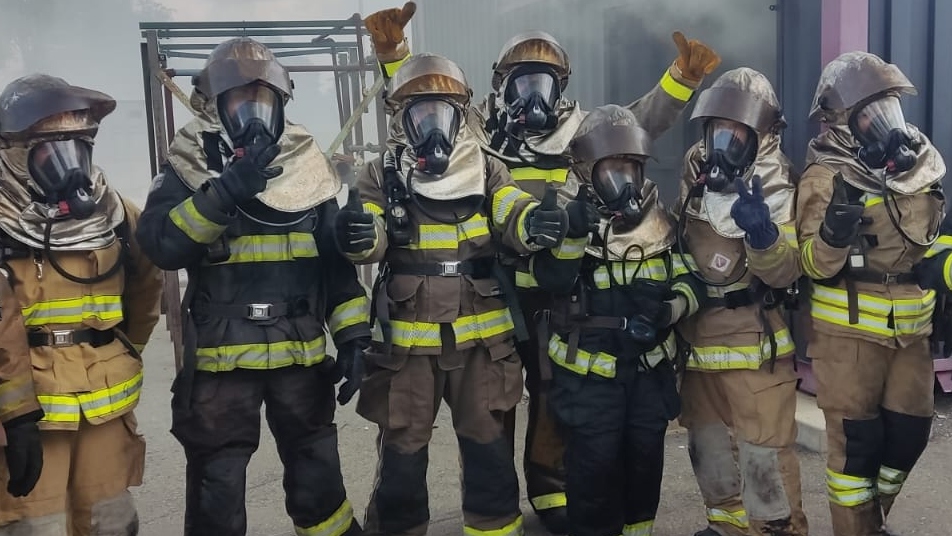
[610,130]
[851,80]
[241,61]
[531,47]
[429,74]
[743,95]
[41,105]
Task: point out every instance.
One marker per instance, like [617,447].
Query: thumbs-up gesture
[386,31]
[583,217]
[547,223]
[751,213]
[695,59]
[843,217]
[353,228]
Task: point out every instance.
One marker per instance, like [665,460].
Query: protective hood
[491,118]
[775,171]
[464,177]
[308,179]
[25,220]
[836,149]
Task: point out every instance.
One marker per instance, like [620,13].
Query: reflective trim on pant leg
[546,502]
[765,497]
[890,480]
[115,516]
[335,525]
[50,525]
[512,529]
[642,528]
[737,518]
[847,490]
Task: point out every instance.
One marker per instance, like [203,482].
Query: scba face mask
[431,126]
[531,95]
[731,148]
[61,170]
[880,128]
[252,113]
[617,183]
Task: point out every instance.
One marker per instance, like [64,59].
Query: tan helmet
[429,74]
[853,79]
[241,61]
[610,130]
[531,47]
[743,95]
[40,105]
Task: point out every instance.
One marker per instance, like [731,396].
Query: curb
[811,425]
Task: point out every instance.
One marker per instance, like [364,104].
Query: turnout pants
[402,395]
[221,430]
[83,489]
[742,432]
[614,446]
[878,404]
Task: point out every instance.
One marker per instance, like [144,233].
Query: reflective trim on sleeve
[947,272]
[847,490]
[674,88]
[373,208]
[504,201]
[349,313]
[598,363]
[202,230]
[390,68]
[337,524]
[557,175]
[570,248]
[16,393]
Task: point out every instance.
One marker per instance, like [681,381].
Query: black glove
[653,310]
[24,457]
[841,224]
[350,365]
[751,213]
[931,272]
[247,176]
[547,224]
[354,229]
[583,216]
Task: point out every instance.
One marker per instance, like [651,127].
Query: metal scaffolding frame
[342,40]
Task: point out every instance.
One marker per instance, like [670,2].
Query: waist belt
[254,311]
[70,337]
[736,299]
[882,278]
[476,268]
[591,322]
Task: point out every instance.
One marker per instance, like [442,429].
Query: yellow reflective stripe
[626,272]
[335,525]
[512,529]
[638,529]
[681,267]
[448,236]
[739,357]
[847,490]
[373,208]
[687,291]
[466,328]
[186,217]
[349,313]
[474,227]
[942,243]
[947,272]
[261,355]
[504,200]
[271,248]
[522,231]
[139,347]
[59,408]
[599,363]
[15,393]
[737,518]
[871,200]
[73,310]
[570,248]
[674,88]
[891,480]
[390,68]
[909,316]
[546,502]
[111,400]
[663,351]
[525,280]
[557,175]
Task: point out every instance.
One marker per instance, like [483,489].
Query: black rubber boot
[555,520]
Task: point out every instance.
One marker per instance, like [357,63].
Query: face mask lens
[874,122]
[611,177]
[522,86]
[426,116]
[53,163]
[734,141]
[244,106]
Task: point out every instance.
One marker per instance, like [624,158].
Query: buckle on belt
[61,337]
[449,268]
[259,311]
[890,279]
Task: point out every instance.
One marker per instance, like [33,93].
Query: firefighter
[617,295]
[431,205]
[869,206]
[245,205]
[89,300]
[528,123]
[739,387]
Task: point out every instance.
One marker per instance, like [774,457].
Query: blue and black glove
[751,213]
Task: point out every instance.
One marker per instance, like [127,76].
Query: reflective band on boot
[738,518]
[335,525]
[846,490]
[890,480]
[642,528]
[547,502]
[512,529]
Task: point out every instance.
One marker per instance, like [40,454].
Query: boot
[555,520]
[707,532]
[779,527]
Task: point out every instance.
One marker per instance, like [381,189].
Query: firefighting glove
[24,453]
[751,213]
[841,223]
[695,59]
[246,176]
[386,32]
[583,216]
[353,228]
[935,273]
[350,365]
[547,224]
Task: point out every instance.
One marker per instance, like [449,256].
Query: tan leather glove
[695,60]
[386,31]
